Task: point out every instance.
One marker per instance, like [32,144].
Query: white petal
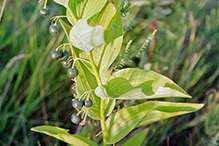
[86,37]
[98,36]
[100,91]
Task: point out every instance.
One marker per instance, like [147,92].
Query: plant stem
[102,104]
[96,72]
[45,3]
[72,15]
[102,121]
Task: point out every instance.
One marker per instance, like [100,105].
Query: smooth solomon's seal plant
[95,37]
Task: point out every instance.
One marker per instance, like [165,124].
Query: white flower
[100,91]
[86,37]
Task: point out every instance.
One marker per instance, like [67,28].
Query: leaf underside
[137,139]
[122,122]
[62,134]
[133,83]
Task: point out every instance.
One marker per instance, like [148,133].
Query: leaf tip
[32,129]
[189,96]
[201,105]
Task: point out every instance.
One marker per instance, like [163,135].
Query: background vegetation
[35,90]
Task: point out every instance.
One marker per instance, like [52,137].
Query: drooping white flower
[100,91]
[86,37]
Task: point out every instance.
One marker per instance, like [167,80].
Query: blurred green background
[34,90]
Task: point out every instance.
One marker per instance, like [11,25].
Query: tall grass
[34,90]
[186,50]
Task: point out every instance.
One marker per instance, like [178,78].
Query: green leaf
[121,123]
[84,9]
[110,106]
[140,84]
[62,2]
[105,17]
[93,112]
[125,120]
[109,54]
[137,139]
[114,29]
[167,109]
[65,27]
[62,134]
[92,7]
